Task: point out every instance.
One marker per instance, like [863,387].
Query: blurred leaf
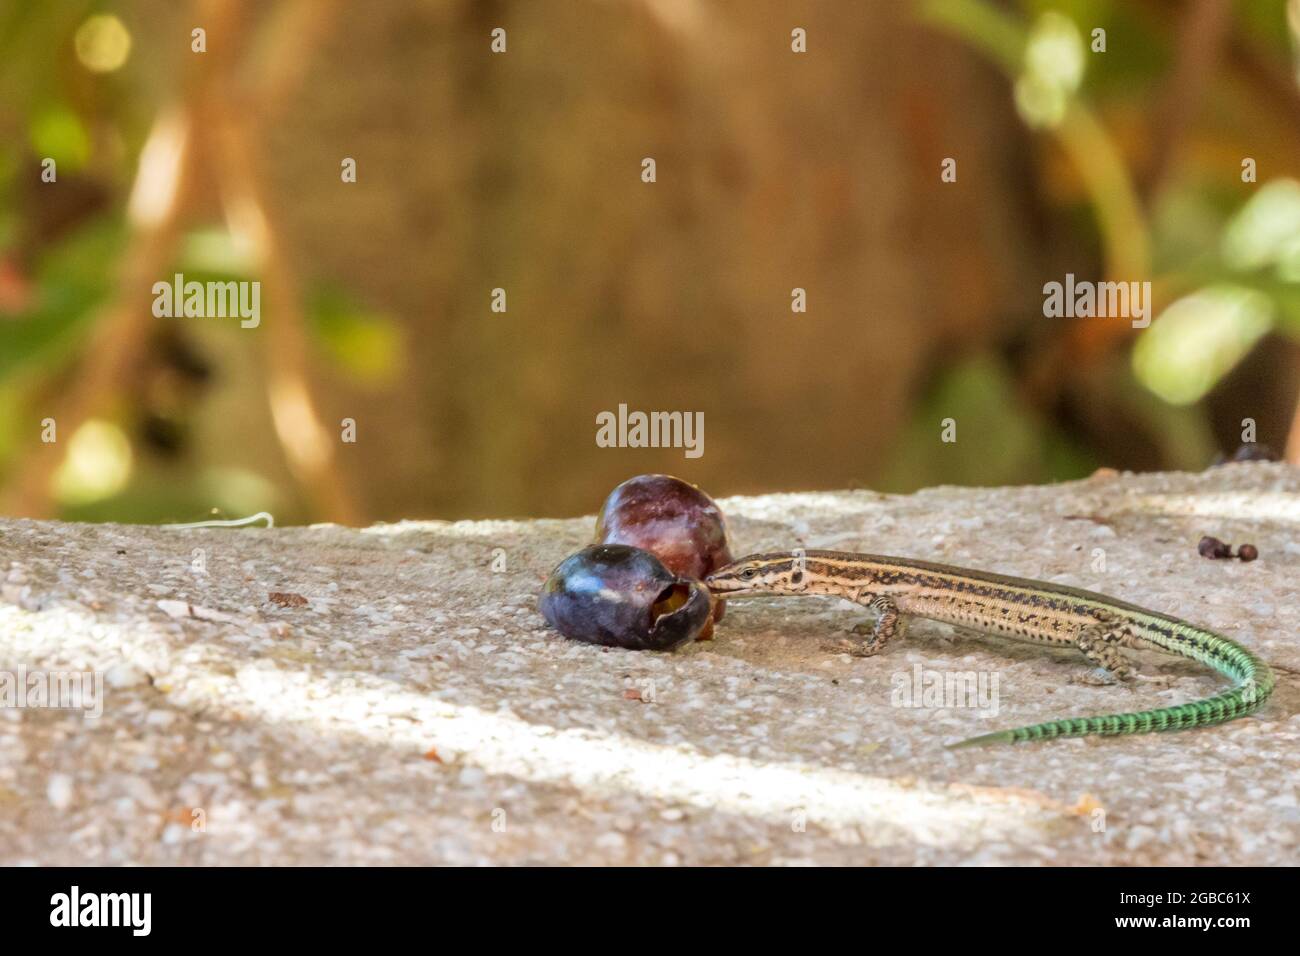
[1052,72]
[97,465]
[238,491]
[154,496]
[998,439]
[73,278]
[57,132]
[1181,434]
[1266,231]
[1286,297]
[214,252]
[1199,339]
[366,344]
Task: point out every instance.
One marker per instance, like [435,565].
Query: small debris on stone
[1248,451]
[1213,548]
[180,609]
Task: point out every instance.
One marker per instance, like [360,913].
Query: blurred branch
[283,50]
[284,53]
[1273,82]
[1109,186]
[307,444]
[997,34]
[1201,40]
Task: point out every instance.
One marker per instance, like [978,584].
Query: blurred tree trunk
[521,171]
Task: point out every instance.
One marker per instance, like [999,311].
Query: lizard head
[775,573]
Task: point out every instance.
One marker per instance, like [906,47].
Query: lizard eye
[749,574]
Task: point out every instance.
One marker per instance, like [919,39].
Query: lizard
[1049,614]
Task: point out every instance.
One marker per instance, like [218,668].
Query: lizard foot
[850,647]
[1097,677]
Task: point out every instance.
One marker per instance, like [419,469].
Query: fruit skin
[607,594]
[673,520]
[670,518]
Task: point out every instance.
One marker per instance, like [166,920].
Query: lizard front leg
[888,625]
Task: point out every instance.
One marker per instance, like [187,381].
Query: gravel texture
[391,695]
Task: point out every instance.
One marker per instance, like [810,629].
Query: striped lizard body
[1050,614]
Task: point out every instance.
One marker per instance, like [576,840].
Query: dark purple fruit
[622,596]
[673,520]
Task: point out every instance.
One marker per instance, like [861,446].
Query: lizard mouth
[726,585]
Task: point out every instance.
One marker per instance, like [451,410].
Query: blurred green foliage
[1234,261]
[997,437]
[70,280]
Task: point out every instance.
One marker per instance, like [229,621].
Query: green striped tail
[1254,683]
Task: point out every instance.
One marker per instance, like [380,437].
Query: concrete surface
[400,700]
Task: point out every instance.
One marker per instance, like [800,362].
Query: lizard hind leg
[1100,644]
